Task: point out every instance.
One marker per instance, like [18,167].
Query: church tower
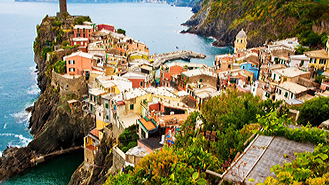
[62,6]
[240,41]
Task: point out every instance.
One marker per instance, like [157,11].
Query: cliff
[262,20]
[54,124]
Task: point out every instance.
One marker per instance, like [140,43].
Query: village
[149,95]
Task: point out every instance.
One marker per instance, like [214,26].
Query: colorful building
[84,31]
[240,42]
[79,63]
[105,26]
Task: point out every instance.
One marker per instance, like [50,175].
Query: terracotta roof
[95,132]
[91,147]
[149,125]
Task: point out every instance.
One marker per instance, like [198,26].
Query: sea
[156,25]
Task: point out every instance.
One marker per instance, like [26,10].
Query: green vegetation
[314,111]
[128,138]
[273,19]
[319,79]
[79,20]
[229,116]
[275,125]
[60,66]
[121,31]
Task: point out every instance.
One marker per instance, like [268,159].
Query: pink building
[79,63]
[106,27]
[84,31]
[138,80]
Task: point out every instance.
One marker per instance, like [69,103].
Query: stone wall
[118,159]
[76,85]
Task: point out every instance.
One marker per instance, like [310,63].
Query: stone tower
[62,6]
[240,41]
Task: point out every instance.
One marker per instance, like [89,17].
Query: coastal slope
[54,124]
[262,20]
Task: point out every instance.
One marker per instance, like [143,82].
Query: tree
[318,79]
[231,108]
[314,111]
[121,31]
[60,67]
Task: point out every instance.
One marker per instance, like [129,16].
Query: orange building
[79,62]
[83,31]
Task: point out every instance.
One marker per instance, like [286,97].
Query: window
[286,94]
[278,91]
[141,84]
[78,30]
[71,62]
[242,67]
[71,69]
[106,105]
[274,76]
[200,80]
[229,66]
[84,30]
[99,114]
[267,95]
[107,117]
[91,97]
[84,35]
[131,106]
[292,95]
[312,61]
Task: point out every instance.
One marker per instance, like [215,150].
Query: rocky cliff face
[54,125]
[261,20]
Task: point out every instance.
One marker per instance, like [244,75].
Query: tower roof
[241,35]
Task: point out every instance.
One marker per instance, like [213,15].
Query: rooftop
[183,64]
[241,34]
[137,151]
[317,54]
[83,26]
[197,72]
[292,87]
[290,72]
[96,91]
[258,158]
[152,143]
[160,91]
[81,54]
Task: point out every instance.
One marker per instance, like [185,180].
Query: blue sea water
[157,25]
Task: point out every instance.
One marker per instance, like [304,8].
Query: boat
[186,58]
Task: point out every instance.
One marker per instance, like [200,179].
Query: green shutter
[106,105]
[131,106]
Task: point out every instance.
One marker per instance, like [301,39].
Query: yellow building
[319,59]
[240,43]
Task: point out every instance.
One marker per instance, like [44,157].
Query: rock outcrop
[53,123]
[263,21]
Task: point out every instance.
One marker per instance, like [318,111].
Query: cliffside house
[289,90]
[204,75]
[105,27]
[84,31]
[224,62]
[91,144]
[79,63]
[251,67]
[82,42]
[288,74]
[139,80]
[319,59]
[299,61]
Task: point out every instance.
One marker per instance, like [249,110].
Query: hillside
[262,20]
